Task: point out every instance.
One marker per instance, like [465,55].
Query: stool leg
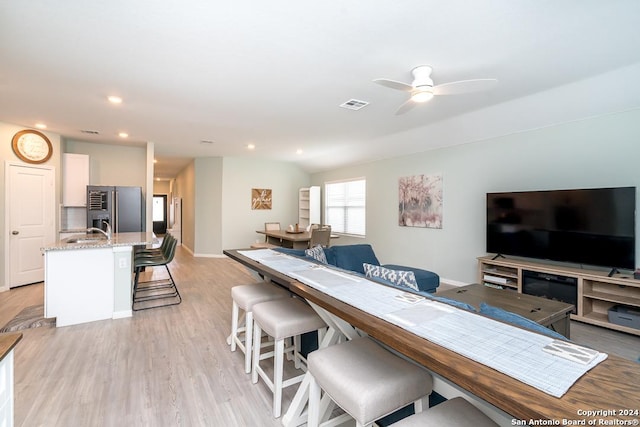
[234,325]
[313,416]
[296,351]
[278,373]
[420,404]
[257,333]
[248,343]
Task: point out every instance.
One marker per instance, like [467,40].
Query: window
[345,204]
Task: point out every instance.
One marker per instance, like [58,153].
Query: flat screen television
[587,226]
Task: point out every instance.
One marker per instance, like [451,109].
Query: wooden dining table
[607,393]
[287,239]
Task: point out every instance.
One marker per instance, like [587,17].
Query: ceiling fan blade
[408,105]
[394,84]
[464,86]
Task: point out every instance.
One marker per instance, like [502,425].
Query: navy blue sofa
[351,257]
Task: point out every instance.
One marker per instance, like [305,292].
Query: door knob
[15,232]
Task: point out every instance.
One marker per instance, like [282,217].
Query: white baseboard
[122,314]
[209,256]
[452,282]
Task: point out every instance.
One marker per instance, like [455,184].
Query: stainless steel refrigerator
[121,207]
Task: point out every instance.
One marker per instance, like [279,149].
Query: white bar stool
[244,298]
[365,380]
[456,412]
[281,319]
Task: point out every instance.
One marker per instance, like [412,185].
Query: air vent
[206,142]
[354,104]
[90,132]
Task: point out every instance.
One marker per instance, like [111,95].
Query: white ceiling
[273,73]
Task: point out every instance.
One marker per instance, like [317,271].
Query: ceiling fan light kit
[422,94]
[422,88]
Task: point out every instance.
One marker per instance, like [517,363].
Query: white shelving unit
[309,206]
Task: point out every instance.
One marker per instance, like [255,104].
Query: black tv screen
[588,226]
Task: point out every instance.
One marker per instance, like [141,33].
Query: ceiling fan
[423,90]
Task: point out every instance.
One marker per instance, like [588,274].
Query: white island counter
[91,279]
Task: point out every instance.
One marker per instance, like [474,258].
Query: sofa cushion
[401,278]
[316,253]
[351,257]
[428,281]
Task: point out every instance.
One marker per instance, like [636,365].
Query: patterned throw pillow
[316,253]
[397,277]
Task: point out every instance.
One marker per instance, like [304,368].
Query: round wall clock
[32,146]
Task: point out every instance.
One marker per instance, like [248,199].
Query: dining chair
[268,226]
[320,235]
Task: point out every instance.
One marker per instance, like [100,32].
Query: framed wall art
[260,198]
[420,201]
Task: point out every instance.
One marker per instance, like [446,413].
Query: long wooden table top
[7,342]
[613,385]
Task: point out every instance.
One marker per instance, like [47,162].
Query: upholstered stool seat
[455,412]
[365,380]
[281,319]
[244,298]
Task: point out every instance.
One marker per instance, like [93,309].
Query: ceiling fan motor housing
[422,76]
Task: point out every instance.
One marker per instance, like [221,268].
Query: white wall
[185,189]
[208,208]
[594,152]
[240,175]
[113,164]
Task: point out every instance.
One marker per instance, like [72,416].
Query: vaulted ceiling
[209,78]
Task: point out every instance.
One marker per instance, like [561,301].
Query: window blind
[345,206]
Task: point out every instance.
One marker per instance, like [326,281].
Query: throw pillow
[397,277]
[316,253]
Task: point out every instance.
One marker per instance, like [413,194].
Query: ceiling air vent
[354,104]
[90,132]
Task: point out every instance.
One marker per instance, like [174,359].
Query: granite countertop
[7,342]
[117,239]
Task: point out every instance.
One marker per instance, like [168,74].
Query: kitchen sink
[85,239]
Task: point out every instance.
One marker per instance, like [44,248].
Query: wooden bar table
[609,392]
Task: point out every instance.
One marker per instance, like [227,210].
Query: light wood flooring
[164,367]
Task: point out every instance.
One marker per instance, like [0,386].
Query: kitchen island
[89,277]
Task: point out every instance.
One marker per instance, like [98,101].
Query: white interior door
[30,217]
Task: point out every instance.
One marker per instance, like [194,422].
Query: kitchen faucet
[100,230]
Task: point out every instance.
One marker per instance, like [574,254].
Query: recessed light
[114,99]
[251,146]
[41,126]
[299,151]
[123,135]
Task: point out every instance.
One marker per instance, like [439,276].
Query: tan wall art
[260,198]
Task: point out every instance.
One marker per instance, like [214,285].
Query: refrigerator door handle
[115,211]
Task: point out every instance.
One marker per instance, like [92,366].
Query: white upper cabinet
[75,178]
